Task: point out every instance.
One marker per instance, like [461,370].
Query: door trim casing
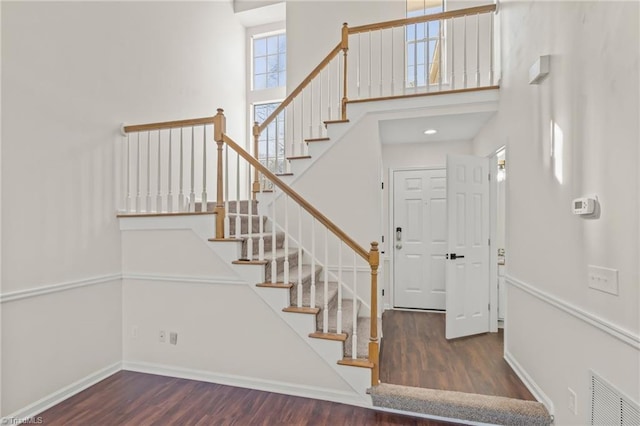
[391,213]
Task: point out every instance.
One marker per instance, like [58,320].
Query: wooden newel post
[344,45]
[219,129]
[256,175]
[374,262]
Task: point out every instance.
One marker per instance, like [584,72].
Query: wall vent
[609,406]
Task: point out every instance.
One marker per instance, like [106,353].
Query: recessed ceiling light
[430,132]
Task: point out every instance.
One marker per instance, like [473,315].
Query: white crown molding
[614,330]
[55,288]
[32,410]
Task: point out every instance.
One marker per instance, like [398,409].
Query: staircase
[252,205]
[299,267]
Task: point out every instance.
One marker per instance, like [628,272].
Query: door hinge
[383,291]
[488,241]
[382,238]
[382,184]
[489,176]
[489,307]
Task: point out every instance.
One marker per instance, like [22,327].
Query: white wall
[71,74]
[591,95]
[225,329]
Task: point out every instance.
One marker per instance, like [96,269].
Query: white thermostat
[584,205]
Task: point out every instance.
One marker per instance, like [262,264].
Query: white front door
[467,266]
[419,238]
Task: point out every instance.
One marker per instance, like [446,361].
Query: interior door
[420,208]
[467,264]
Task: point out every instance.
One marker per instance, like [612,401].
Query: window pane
[259,47]
[410,56]
[259,81]
[420,51]
[272,63]
[420,31]
[282,43]
[260,65]
[411,32]
[282,78]
[272,45]
[272,80]
[282,62]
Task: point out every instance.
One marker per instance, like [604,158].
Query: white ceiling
[450,127]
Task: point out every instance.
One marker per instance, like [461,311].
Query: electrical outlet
[573,401]
[162,337]
[134,331]
[173,338]
[603,279]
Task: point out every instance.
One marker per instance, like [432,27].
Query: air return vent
[609,406]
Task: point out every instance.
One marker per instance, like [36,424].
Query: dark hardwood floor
[415,352]
[129,398]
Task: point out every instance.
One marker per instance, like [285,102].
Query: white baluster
[358,65]
[148,199]
[227,198]
[128,175]
[302,122]
[313,262]
[311,110]
[299,256]
[293,131]
[203,206]
[238,222]
[320,107]
[285,199]
[159,196]
[325,310]
[369,89]
[477,50]
[181,171]
[138,178]
[354,340]
[339,322]
[381,62]
[453,56]
[192,194]
[415,59]
[169,183]
[427,71]
[274,263]
[392,62]
[250,216]
[491,51]
[440,55]
[464,56]
[329,90]
[260,235]
[338,77]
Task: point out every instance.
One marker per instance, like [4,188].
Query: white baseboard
[529,382]
[58,396]
[250,383]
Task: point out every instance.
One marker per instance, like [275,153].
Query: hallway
[414,352]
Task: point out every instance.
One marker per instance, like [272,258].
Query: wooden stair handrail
[297,198]
[168,124]
[424,18]
[300,87]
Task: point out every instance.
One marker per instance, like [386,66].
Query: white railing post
[181,203]
[169,175]
[477,50]
[203,205]
[148,199]
[354,340]
[325,310]
[192,193]
[128,175]
[339,313]
[274,262]
[285,200]
[159,195]
[227,198]
[238,222]
[138,177]
[313,262]
[299,301]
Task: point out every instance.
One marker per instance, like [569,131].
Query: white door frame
[493,252]
[391,247]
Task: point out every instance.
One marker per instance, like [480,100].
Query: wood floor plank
[415,352]
[129,398]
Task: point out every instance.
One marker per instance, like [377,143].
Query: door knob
[398,246]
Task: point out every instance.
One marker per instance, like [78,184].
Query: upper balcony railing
[443,52]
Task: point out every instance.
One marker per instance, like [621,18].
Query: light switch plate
[603,279]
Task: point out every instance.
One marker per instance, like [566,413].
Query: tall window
[271,141]
[423,44]
[269,61]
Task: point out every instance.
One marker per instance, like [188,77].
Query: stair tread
[357,362]
[332,291]
[293,273]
